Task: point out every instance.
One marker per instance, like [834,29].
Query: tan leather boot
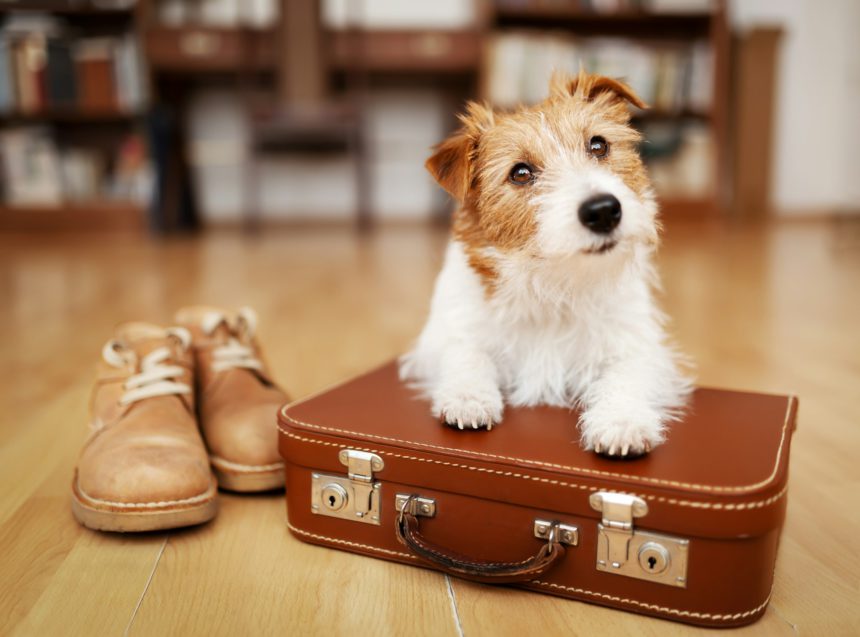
[237,400]
[144,465]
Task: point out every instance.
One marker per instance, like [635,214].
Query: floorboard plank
[245,574]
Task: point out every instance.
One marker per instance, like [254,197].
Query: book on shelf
[62,90]
[83,172]
[682,159]
[399,15]
[45,67]
[133,177]
[608,7]
[129,73]
[218,13]
[680,6]
[95,74]
[31,166]
[7,90]
[28,61]
[37,171]
[670,77]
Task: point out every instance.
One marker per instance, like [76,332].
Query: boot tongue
[143,338]
[220,334]
[218,326]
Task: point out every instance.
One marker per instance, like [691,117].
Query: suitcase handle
[408,534]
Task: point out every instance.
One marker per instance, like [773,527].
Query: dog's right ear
[452,160]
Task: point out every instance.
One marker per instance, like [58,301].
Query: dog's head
[559,178]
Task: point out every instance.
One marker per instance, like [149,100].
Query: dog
[546,295]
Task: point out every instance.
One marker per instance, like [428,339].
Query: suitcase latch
[355,497]
[625,550]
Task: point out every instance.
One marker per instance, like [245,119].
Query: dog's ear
[452,160]
[587,87]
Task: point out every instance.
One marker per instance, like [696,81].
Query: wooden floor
[772,308]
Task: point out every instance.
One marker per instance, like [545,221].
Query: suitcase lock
[624,550]
[354,497]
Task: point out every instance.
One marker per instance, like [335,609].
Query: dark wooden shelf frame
[103,214]
[639,24]
[69,116]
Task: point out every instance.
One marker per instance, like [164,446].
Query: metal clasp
[618,510]
[354,497]
[360,466]
[659,558]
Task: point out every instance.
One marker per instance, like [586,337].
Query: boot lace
[236,353]
[157,377]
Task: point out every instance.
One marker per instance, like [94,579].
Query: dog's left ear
[587,87]
[452,160]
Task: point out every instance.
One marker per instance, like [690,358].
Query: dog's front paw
[614,434]
[469,407]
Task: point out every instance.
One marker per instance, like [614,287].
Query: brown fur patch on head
[588,87]
[474,164]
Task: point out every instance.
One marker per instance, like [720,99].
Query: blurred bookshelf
[73,107]
[123,153]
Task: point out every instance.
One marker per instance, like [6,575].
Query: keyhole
[652,562]
[331,501]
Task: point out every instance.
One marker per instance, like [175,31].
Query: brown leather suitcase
[688,532]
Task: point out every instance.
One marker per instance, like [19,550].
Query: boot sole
[121,517]
[247,478]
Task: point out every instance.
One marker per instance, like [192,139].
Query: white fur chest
[547,329]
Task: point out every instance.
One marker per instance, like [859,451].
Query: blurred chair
[304,117]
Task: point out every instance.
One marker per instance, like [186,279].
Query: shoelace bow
[156,376]
[236,353]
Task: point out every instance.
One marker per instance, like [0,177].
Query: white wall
[817,129]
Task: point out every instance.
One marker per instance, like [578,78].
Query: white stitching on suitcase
[661,609]
[621,600]
[703,487]
[731,506]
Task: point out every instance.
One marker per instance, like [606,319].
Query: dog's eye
[598,147]
[521,174]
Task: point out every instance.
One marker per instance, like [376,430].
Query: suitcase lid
[721,472]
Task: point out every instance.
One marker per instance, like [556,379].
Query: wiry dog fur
[531,307]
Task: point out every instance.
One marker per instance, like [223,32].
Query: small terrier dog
[545,296]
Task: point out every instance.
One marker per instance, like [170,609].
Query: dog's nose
[600,213]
